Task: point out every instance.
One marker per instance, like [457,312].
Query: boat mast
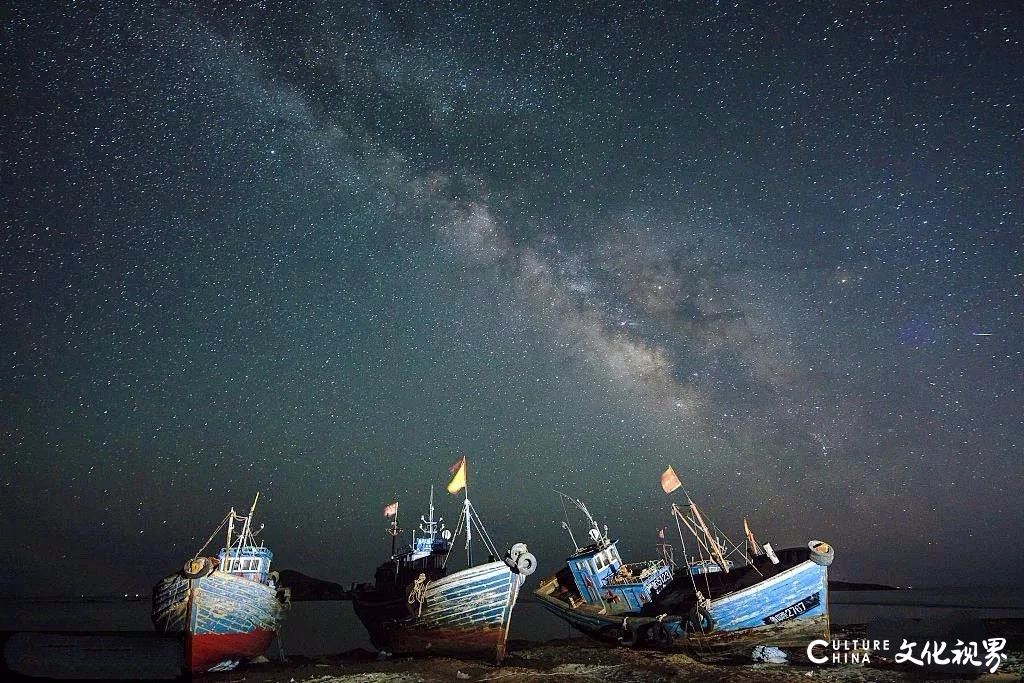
[665,549]
[247,527]
[755,549]
[713,546]
[431,527]
[469,524]
[468,515]
[231,528]
[394,530]
[697,535]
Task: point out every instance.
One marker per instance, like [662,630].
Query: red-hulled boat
[227,607]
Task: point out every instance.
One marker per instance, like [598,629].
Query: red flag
[391,509]
[669,481]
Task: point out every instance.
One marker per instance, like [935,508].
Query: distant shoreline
[308,589]
[857,586]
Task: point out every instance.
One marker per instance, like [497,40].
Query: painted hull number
[794,610]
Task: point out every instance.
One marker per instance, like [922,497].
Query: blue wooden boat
[227,608]
[418,605]
[708,605]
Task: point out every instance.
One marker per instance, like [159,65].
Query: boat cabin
[248,561]
[602,578]
[426,553]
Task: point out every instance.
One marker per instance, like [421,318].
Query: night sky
[320,251]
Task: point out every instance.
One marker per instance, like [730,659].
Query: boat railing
[636,572]
[708,566]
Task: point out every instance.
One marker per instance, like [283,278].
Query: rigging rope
[483,532]
[451,546]
[212,536]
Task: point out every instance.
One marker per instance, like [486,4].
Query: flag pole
[394,528]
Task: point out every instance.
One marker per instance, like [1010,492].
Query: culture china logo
[986,653]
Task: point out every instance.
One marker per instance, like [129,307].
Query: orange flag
[669,481]
[458,481]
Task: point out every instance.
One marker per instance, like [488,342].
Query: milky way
[323,252]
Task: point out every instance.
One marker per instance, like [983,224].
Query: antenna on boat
[430,524]
[436,525]
[595,533]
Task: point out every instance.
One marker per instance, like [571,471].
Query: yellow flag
[458,482]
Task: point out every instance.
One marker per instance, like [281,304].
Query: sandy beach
[585,660]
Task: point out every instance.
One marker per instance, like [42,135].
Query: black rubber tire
[628,637]
[606,634]
[700,621]
[197,568]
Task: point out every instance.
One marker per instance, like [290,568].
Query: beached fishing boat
[227,607]
[417,604]
[726,599]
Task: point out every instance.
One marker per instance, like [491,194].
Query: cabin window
[243,565]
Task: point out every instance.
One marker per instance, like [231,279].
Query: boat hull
[466,613]
[223,618]
[788,609]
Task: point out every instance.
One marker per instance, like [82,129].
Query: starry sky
[321,250]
